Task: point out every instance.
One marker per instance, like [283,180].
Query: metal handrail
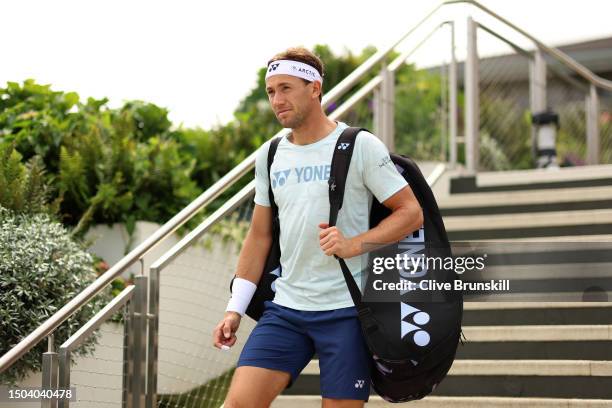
[378,57]
[102,316]
[241,169]
[500,37]
[554,52]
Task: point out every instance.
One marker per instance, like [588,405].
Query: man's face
[291,99]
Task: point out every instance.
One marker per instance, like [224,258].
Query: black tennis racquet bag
[412,337]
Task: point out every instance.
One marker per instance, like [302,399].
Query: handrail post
[452,96]
[139,325]
[537,93]
[128,355]
[387,102]
[377,110]
[592,126]
[153,345]
[472,114]
[49,372]
[64,374]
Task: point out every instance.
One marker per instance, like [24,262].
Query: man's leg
[344,360]
[275,353]
[342,403]
[254,387]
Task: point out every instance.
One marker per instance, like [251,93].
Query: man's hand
[332,242]
[225,332]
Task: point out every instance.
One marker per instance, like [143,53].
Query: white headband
[294,68]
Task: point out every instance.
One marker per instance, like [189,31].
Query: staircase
[518,353]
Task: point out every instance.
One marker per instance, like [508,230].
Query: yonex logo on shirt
[359,384]
[280,177]
[302,174]
[343,146]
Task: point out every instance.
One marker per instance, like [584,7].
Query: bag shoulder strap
[341,160]
[271,153]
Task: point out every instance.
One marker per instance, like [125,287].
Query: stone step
[597,350]
[505,378]
[554,313]
[545,224]
[532,176]
[549,271]
[528,220]
[567,199]
[540,368]
[312,401]
[536,179]
[562,332]
[534,305]
[558,238]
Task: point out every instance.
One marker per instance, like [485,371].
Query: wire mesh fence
[507,139]
[605,127]
[566,96]
[194,289]
[505,132]
[98,377]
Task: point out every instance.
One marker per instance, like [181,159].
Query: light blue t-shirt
[311,280]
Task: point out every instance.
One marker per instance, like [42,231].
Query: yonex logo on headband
[294,68]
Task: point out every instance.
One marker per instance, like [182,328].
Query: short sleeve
[262,181]
[378,170]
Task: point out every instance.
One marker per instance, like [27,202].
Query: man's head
[294,85]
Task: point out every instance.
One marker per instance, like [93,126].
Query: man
[312,310]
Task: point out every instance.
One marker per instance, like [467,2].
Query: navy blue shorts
[285,339]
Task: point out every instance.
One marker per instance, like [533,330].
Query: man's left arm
[406,216]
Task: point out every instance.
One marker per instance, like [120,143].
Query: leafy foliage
[23,188]
[417,118]
[104,165]
[41,269]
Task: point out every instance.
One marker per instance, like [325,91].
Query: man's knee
[254,387]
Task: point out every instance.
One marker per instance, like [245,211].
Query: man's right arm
[256,246]
[253,254]
[251,262]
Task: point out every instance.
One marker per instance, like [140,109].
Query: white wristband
[242,293]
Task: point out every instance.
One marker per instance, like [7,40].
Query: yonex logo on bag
[359,384]
[412,246]
[420,337]
[273,67]
[280,177]
[343,146]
